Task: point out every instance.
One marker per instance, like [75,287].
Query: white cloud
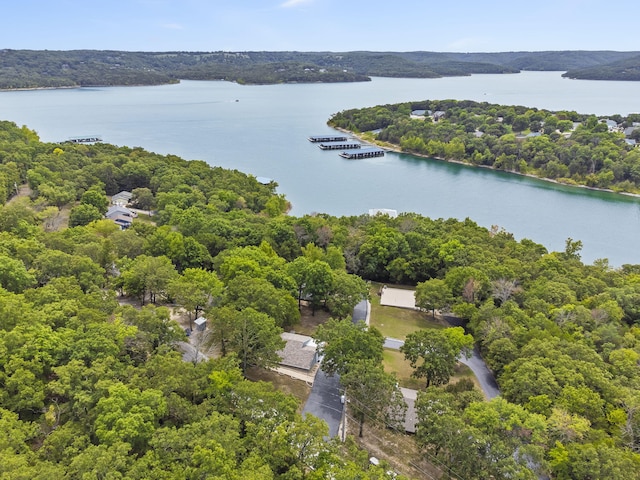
[295,3]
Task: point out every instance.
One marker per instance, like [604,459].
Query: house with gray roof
[122,216]
[121,199]
[300,352]
[612,125]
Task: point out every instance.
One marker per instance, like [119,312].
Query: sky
[320,25]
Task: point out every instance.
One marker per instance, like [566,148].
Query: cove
[263,130]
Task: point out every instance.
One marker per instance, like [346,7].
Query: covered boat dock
[339,146]
[362,153]
[327,138]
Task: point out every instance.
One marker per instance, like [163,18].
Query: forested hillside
[50,69]
[624,69]
[566,146]
[92,388]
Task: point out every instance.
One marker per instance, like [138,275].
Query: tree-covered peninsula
[94,383]
[564,146]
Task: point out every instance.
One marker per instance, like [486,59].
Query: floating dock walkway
[339,146]
[362,153]
[327,138]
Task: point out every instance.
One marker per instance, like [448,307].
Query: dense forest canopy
[50,69]
[95,389]
[565,146]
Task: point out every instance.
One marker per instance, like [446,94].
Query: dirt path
[23,191]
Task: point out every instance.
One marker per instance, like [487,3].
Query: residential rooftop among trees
[92,387]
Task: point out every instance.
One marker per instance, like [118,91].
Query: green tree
[433,295]
[129,415]
[143,199]
[97,198]
[84,214]
[433,354]
[252,335]
[13,275]
[258,293]
[347,291]
[194,290]
[148,276]
[318,283]
[342,342]
[378,250]
[373,394]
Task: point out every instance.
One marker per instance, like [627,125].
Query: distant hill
[625,69]
[45,68]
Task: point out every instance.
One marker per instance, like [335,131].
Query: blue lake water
[263,130]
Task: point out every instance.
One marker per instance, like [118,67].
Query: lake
[263,130]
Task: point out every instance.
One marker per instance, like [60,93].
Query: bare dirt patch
[282,383]
[398,449]
[23,191]
[309,321]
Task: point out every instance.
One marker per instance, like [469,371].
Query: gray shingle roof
[299,351]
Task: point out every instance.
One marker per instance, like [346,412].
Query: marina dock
[339,146]
[327,138]
[362,153]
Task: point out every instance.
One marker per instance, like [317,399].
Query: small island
[564,146]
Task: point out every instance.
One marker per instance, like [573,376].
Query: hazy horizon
[319,26]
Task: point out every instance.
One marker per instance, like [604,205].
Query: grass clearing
[394,362]
[397,322]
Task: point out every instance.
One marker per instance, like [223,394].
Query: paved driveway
[360,311]
[475,362]
[324,401]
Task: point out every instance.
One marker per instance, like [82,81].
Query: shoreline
[397,149]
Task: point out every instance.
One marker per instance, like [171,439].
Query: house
[418,113]
[121,199]
[628,131]
[383,211]
[438,115]
[264,180]
[122,221]
[612,125]
[116,210]
[121,216]
[300,352]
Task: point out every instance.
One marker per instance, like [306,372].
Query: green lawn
[397,322]
[394,361]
